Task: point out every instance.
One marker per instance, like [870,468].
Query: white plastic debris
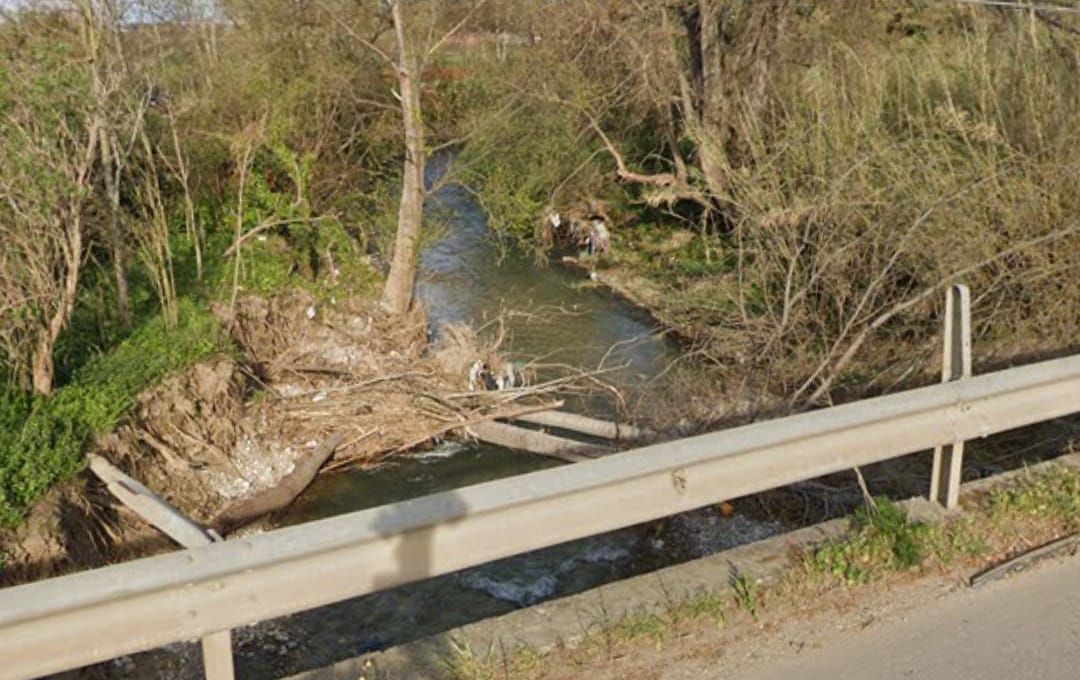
[476,375]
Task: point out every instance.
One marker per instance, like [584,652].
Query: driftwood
[149,506]
[590,426]
[532,441]
[277,497]
[474,420]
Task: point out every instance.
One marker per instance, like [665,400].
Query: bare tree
[49,142]
[420,29]
[398,292]
[116,130]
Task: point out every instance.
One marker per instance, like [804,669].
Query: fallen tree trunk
[584,424]
[277,497]
[483,418]
[149,506]
[532,441]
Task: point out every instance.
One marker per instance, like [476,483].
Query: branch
[430,52]
[664,180]
[359,38]
[263,226]
[899,307]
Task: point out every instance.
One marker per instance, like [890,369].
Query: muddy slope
[227,428]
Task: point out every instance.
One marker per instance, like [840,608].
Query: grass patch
[882,540]
[645,626]
[1031,509]
[462,663]
[704,606]
[747,597]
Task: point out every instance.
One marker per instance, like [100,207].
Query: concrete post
[955,365]
[218,656]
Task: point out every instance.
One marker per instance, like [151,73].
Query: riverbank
[688,285]
[298,372]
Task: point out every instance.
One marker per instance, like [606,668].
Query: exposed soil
[227,428]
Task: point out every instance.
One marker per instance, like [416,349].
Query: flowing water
[561,319]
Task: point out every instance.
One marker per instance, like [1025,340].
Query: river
[560,317]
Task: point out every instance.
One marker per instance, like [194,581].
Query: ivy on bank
[43,439]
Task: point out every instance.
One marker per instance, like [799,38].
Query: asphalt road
[1024,626]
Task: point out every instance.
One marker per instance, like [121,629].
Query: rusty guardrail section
[91,616]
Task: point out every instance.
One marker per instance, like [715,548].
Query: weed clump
[1035,508]
[883,539]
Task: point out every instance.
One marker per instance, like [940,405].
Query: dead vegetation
[211,438]
[373,377]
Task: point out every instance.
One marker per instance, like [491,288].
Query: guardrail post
[218,656]
[955,365]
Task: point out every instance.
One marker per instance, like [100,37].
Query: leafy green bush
[883,539]
[42,440]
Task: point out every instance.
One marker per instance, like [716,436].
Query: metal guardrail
[96,615]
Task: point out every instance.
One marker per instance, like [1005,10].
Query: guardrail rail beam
[83,618]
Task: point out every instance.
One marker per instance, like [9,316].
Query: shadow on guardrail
[333,641]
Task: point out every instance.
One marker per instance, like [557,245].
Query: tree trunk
[732,46]
[540,443]
[398,293]
[111,165]
[43,368]
[43,365]
[583,424]
[291,485]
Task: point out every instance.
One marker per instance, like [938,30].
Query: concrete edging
[568,620]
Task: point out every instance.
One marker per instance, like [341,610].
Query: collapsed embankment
[209,437]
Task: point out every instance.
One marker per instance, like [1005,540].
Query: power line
[1009,4]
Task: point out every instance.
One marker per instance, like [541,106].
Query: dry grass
[885,168]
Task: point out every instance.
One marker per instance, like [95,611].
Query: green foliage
[300,248]
[1053,493]
[37,447]
[530,153]
[959,538]
[670,254]
[747,597]
[882,539]
[887,541]
[321,257]
[42,440]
